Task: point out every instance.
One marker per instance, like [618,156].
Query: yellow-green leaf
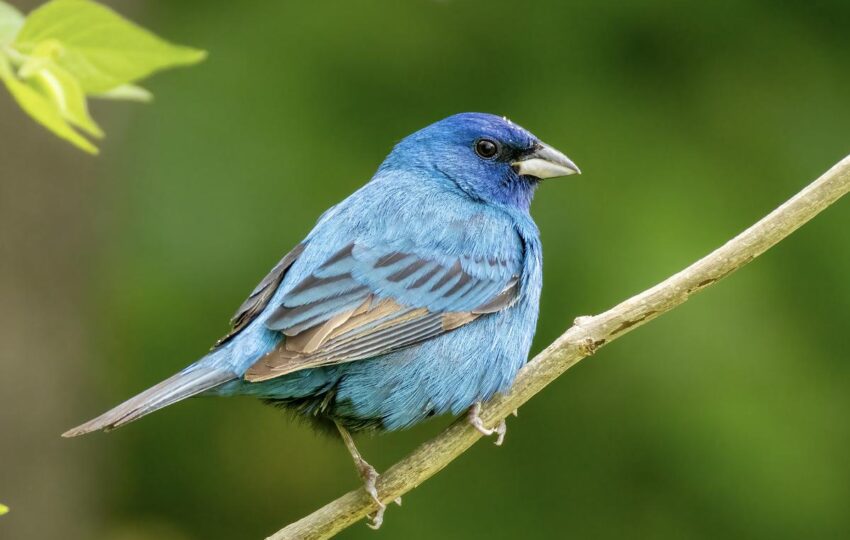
[127,92]
[64,91]
[42,109]
[101,49]
[5,67]
[11,21]
[3,509]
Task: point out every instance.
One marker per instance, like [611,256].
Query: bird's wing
[366,301]
[260,296]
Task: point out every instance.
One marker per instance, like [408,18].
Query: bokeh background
[727,418]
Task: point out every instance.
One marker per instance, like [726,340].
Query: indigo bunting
[415,296]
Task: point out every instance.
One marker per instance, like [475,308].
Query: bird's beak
[545,162]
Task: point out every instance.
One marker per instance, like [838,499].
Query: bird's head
[488,157]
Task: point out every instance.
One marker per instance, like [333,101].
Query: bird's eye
[486,148]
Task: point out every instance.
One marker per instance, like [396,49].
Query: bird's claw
[500,432]
[475,419]
[369,476]
[377,518]
[370,480]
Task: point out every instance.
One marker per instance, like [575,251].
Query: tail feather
[185,384]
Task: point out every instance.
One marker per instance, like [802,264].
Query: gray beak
[545,162]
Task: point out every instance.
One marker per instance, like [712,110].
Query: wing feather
[260,296]
[364,302]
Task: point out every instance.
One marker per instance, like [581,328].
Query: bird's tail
[189,382]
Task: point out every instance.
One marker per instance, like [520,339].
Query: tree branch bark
[579,341]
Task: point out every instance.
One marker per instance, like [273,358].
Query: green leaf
[3,509]
[11,21]
[64,91]
[127,92]
[59,86]
[5,68]
[41,108]
[99,47]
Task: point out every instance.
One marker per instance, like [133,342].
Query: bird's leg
[475,419]
[369,476]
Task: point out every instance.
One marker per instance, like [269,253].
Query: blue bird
[415,296]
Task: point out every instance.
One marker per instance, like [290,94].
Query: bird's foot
[370,479]
[475,419]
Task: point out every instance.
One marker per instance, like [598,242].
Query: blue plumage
[445,373]
[415,296]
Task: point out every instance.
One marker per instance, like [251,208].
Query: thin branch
[581,340]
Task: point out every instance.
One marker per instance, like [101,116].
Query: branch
[580,341]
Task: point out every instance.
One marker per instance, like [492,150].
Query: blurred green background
[726,418]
